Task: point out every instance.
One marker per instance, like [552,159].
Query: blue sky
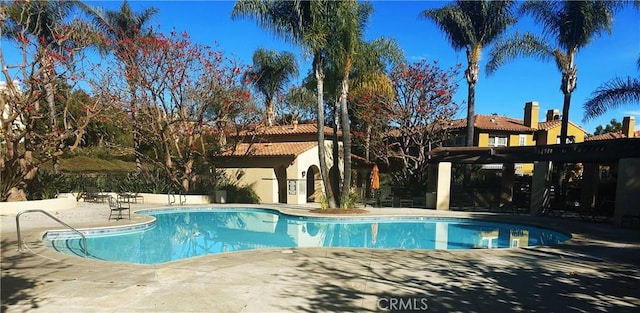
[504,93]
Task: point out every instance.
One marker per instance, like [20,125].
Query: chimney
[628,126]
[295,124]
[553,115]
[531,114]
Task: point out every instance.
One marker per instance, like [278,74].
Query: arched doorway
[281,175]
[314,184]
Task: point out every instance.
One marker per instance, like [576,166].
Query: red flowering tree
[371,100]
[184,91]
[36,121]
[422,107]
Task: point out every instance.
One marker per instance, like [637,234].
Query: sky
[504,93]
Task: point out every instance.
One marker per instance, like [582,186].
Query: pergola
[624,152]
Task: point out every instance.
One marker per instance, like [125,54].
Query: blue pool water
[184,233]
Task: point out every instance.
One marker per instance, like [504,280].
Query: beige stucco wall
[302,163]
[262,180]
[63,202]
[628,188]
[265,183]
[295,182]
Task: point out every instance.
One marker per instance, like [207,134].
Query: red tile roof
[549,125]
[271,149]
[493,122]
[288,130]
[605,136]
[556,123]
[497,122]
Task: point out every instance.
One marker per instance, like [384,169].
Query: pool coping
[432,214]
[300,280]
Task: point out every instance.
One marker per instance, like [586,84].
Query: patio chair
[92,194]
[118,206]
[386,198]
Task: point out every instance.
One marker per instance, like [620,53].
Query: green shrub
[46,185]
[350,200]
[149,181]
[240,194]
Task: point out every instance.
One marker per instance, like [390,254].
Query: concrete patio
[596,271]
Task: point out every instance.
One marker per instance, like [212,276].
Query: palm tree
[472,25]
[270,73]
[300,104]
[372,88]
[122,29]
[572,24]
[305,23]
[612,94]
[349,23]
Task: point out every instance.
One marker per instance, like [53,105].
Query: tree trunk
[569,80]
[133,106]
[324,171]
[564,129]
[335,179]
[54,127]
[367,143]
[188,169]
[270,113]
[346,139]
[472,77]
[568,84]
[50,96]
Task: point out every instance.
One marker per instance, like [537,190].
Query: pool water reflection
[181,234]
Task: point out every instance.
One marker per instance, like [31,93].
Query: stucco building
[281,163]
[502,131]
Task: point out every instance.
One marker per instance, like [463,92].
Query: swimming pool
[184,233]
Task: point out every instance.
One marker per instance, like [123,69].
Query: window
[457,141]
[515,243]
[497,141]
[570,139]
[489,242]
[522,140]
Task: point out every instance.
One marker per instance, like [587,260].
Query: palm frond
[583,21]
[348,22]
[545,13]
[563,62]
[119,25]
[384,50]
[519,45]
[573,23]
[455,25]
[96,14]
[499,17]
[272,71]
[468,24]
[611,95]
[282,18]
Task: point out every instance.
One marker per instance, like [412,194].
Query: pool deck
[596,271]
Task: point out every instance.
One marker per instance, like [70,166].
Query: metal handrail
[20,244]
[169,195]
[182,199]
